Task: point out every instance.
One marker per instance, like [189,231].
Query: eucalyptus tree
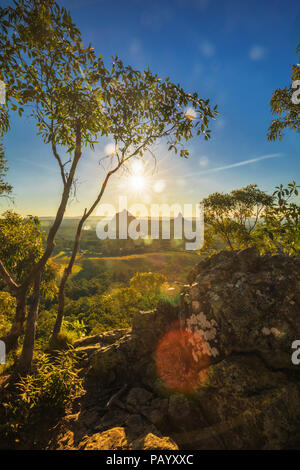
[285,105]
[5,188]
[233,217]
[140,109]
[74,100]
[42,65]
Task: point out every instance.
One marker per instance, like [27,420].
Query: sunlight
[111,149]
[137,182]
[137,167]
[190,114]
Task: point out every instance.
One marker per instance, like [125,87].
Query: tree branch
[7,278]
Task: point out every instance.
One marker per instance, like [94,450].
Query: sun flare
[137,182]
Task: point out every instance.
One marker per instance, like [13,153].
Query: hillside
[214,372]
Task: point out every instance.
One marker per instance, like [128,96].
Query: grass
[174,265]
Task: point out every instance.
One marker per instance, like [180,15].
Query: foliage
[282,105]
[43,51]
[64,340]
[21,244]
[5,188]
[7,311]
[72,329]
[279,232]
[76,326]
[149,286]
[233,217]
[40,396]
[74,99]
[53,385]
[116,307]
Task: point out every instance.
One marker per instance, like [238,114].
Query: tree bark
[25,363]
[68,269]
[11,339]
[63,282]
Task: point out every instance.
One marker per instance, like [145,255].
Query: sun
[137,182]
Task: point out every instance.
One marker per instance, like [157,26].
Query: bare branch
[61,165]
[7,278]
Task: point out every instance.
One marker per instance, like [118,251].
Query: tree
[279,232]
[5,188]
[42,62]
[21,245]
[283,105]
[233,217]
[281,229]
[74,100]
[139,109]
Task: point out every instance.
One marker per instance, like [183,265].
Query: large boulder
[216,372]
[242,302]
[129,357]
[242,315]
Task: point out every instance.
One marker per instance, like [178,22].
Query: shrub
[53,385]
[64,340]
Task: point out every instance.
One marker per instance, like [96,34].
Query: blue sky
[234,52]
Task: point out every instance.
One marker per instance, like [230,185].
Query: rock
[86,341]
[179,408]
[108,337]
[152,442]
[157,411]
[111,363]
[242,314]
[214,373]
[135,425]
[113,439]
[68,433]
[137,397]
[111,419]
[118,438]
[253,305]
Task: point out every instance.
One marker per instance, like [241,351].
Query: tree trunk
[11,339]
[25,363]
[63,282]
[68,269]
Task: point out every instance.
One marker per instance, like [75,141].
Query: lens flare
[137,182]
[178,365]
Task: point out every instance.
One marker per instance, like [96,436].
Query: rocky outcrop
[214,373]
[130,356]
[241,302]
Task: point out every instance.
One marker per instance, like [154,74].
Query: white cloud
[135,47]
[234,165]
[257,52]
[203,161]
[207,49]
[156,17]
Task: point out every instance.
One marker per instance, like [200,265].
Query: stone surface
[214,373]
[152,442]
[113,439]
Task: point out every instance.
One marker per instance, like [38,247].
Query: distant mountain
[121,218]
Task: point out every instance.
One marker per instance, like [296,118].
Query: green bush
[53,385]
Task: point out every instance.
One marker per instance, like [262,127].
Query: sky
[236,53]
